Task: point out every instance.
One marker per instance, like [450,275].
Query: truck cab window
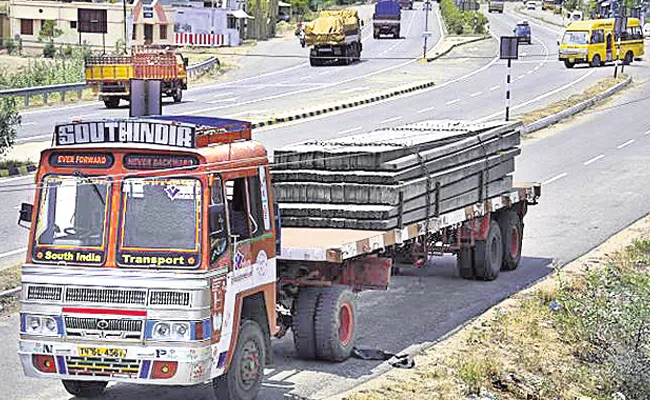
[255,198]
[217,222]
[238,210]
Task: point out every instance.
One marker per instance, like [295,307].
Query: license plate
[101,352]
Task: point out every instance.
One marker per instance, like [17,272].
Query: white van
[575,16]
[531,5]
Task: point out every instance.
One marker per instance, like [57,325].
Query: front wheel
[84,389]
[595,62]
[178,95]
[112,102]
[629,57]
[246,372]
[569,64]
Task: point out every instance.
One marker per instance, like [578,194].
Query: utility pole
[427,7]
[126,51]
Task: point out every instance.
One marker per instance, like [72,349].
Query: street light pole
[125,29]
[427,6]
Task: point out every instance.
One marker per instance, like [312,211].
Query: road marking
[647,132]
[529,72]
[390,120]
[224,94]
[592,160]
[247,112]
[555,178]
[524,54]
[13,252]
[452,102]
[228,100]
[475,94]
[357,89]
[629,142]
[326,72]
[520,76]
[494,87]
[17,178]
[358,128]
[304,78]
[28,123]
[426,110]
[536,68]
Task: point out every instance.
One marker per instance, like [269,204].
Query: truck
[335,36]
[407,4]
[496,6]
[109,76]
[386,19]
[157,256]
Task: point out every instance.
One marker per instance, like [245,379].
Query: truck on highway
[386,19]
[496,6]
[335,36]
[407,4]
[156,256]
[109,75]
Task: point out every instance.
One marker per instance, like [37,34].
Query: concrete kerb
[552,119]
[13,171]
[455,45]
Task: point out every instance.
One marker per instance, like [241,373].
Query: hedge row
[462,22]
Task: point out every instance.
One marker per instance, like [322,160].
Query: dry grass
[575,99]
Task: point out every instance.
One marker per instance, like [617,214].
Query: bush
[460,22]
[9,121]
[66,51]
[10,45]
[49,51]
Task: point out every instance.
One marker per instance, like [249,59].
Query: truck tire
[335,323]
[302,324]
[488,254]
[629,57]
[512,230]
[314,62]
[569,64]
[178,95]
[595,61]
[397,34]
[112,102]
[84,389]
[465,263]
[246,372]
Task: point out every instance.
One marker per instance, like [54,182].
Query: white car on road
[531,5]
[646,30]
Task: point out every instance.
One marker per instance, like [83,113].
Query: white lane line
[520,76]
[358,128]
[352,90]
[224,94]
[390,120]
[304,78]
[475,94]
[647,132]
[426,110]
[555,178]
[529,72]
[325,72]
[16,178]
[452,102]
[536,68]
[593,160]
[494,87]
[28,123]
[228,100]
[13,252]
[629,142]
[239,114]
[27,139]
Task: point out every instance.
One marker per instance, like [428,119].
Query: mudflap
[367,273]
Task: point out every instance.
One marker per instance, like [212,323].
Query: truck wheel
[629,57]
[397,34]
[178,95]
[84,388]
[569,64]
[512,231]
[314,62]
[465,260]
[488,254]
[335,323]
[345,56]
[246,372]
[595,62]
[303,323]
[112,102]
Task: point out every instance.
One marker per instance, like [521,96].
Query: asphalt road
[586,199]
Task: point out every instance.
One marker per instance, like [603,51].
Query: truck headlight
[41,325]
[164,330]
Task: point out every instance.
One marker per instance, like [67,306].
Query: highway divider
[552,119]
[455,45]
[22,170]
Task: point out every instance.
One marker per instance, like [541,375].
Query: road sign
[509,48]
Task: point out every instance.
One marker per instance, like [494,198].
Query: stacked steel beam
[393,177]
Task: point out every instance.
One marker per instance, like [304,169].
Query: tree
[9,121]
[49,31]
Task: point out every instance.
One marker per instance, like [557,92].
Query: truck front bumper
[141,364]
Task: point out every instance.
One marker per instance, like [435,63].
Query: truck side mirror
[25,214]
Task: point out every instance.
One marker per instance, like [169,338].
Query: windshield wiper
[95,188]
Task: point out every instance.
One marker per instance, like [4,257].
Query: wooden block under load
[350,193]
[391,176]
[368,151]
[498,187]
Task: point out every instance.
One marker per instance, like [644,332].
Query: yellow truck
[109,76]
[335,36]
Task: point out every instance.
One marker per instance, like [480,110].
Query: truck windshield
[72,213]
[575,37]
[161,214]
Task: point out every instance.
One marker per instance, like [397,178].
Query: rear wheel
[84,389]
[569,64]
[335,323]
[246,372]
[314,62]
[465,263]
[512,230]
[595,62]
[178,95]
[488,254]
[629,57]
[302,324]
[112,102]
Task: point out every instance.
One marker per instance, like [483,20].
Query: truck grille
[103,328]
[165,298]
[99,366]
[44,293]
[105,296]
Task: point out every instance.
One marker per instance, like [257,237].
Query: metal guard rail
[78,87]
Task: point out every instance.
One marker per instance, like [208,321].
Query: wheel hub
[250,364]
[346,324]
